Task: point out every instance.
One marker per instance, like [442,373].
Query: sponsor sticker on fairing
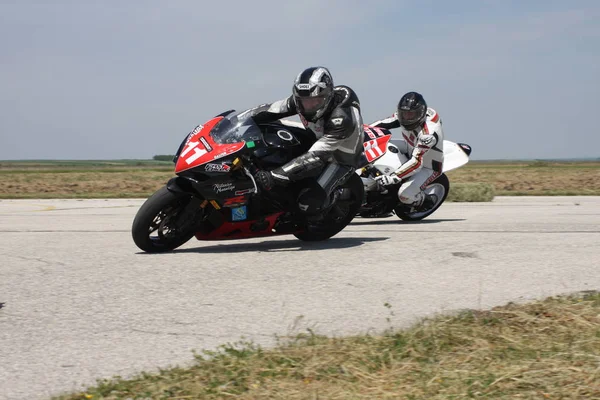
[206,145]
[239,213]
[223,187]
[212,167]
[244,191]
[196,130]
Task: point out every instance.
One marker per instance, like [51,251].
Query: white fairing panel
[390,161]
[454,156]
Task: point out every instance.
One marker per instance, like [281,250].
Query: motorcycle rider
[333,114]
[421,150]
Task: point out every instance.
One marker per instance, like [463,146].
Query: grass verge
[141,178]
[470,192]
[539,178]
[542,350]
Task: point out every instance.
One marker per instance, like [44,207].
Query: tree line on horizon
[163,157]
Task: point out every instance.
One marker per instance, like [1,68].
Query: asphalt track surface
[81,302]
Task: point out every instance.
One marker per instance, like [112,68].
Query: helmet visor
[410,116]
[311,104]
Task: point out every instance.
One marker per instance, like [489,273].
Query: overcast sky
[92,79]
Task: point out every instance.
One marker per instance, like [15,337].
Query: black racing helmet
[313,92]
[412,110]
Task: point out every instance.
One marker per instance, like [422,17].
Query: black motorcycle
[214,195]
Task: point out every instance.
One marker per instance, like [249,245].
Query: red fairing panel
[375,141]
[201,148]
[373,133]
[376,148]
[240,230]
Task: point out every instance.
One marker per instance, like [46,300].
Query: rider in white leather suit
[421,149]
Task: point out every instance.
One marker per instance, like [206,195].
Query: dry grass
[126,179]
[533,178]
[543,350]
[82,183]
[469,192]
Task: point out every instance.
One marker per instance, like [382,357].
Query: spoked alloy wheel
[163,228]
[165,221]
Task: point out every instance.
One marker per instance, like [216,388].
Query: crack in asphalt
[41,269]
[39,259]
[465,254]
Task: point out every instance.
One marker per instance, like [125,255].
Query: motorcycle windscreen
[236,128]
[200,148]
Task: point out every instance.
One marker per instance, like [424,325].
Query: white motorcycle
[383,158]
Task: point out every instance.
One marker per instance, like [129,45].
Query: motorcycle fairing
[376,148]
[244,229]
[454,156]
[375,142]
[200,148]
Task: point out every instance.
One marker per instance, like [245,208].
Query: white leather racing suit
[421,154]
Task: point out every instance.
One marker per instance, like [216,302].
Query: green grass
[542,350]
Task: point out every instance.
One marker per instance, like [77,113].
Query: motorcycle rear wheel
[333,223]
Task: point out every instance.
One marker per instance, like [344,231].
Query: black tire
[328,227]
[145,222]
[441,181]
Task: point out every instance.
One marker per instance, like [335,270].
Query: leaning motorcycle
[382,158]
[214,196]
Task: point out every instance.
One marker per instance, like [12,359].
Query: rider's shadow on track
[271,246]
[396,221]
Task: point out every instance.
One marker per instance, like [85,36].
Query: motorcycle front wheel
[438,188]
[165,221]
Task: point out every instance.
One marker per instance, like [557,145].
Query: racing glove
[387,180]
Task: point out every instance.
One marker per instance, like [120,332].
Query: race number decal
[197,152]
[376,148]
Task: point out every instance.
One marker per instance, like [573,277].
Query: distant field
[533,178]
[140,178]
[82,179]
[43,164]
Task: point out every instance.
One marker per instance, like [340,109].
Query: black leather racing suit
[339,134]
